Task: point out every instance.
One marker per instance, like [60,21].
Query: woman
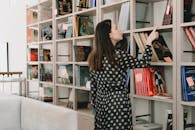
[107,75]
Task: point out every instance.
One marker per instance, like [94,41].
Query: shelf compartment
[64,74]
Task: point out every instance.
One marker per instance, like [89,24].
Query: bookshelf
[59,73]
[66,37]
[185,60]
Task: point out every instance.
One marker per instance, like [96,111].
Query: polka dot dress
[109,94]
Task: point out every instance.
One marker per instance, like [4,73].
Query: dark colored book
[187,10]
[162,49]
[167,19]
[46,33]
[86,25]
[63,7]
[82,53]
[33,54]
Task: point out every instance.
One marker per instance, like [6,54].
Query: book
[65,74]
[33,72]
[33,54]
[141,14]
[162,50]
[85,25]
[46,55]
[143,82]
[82,53]
[188,83]
[150,81]
[167,19]
[144,37]
[187,10]
[69,32]
[124,17]
[46,33]
[82,75]
[63,7]
[190,37]
[168,121]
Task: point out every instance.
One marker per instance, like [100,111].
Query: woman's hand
[153,35]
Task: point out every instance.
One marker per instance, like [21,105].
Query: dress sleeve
[129,61]
[93,87]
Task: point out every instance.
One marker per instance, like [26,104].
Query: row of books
[85,4]
[150,81]
[190,34]
[160,50]
[81,53]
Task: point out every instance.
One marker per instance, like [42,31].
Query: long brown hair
[103,46]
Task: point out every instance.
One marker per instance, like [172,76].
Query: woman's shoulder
[120,52]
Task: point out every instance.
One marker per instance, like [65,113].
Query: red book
[34,54]
[192,32]
[143,82]
[190,37]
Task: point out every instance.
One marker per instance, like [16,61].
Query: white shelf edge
[187,24]
[64,16]
[85,11]
[85,63]
[185,103]
[111,4]
[64,40]
[64,85]
[164,27]
[32,62]
[46,42]
[162,63]
[188,64]
[45,21]
[153,98]
[83,88]
[65,63]
[46,62]
[84,37]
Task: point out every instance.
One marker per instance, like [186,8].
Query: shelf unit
[185,58]
[155,106]
[63,53]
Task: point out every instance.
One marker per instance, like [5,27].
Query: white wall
[13,31]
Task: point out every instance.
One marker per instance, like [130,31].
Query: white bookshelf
[154,13]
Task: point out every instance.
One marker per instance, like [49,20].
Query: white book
[124,17]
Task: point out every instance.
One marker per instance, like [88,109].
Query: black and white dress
[109,94]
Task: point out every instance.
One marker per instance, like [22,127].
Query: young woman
[108,67]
